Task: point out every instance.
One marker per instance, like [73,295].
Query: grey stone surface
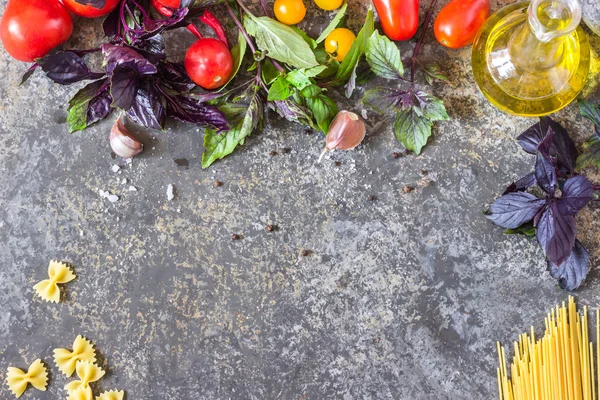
[591,14]
[403,297]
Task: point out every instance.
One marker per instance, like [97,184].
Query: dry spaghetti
[557,366]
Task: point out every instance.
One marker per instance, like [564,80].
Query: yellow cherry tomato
[328,5]
[338,43]
[289,12]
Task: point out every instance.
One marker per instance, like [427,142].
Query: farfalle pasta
[81,394]
[66,360]
[37,375]
[58,272]
[111,395]
[87,373]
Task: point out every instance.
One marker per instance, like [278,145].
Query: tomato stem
[209,19]
[194,31]
[240,27]
[420,42]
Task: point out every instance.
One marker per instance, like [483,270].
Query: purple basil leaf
[99,107]
[545,144]
[555,232]
[156,26]
[522,184]
[573,270]
[116,55]
[191,110]
[590,155]
[292,111]
[124,85]
[175,77]
[562,146]
[28,73]
[545,174]
[385,99]
[66,67]
[576,193]
[514,209]
[99,4]
[153,49]
[111,23]
[148,110]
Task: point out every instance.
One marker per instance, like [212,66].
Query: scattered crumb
[124,181]
[363,112]
[132,188]
[129,161]
[115,168]
[170,195]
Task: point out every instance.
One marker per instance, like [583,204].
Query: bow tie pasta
[17,380]
[58,272]
[67,360]
[111,395]
[87,373]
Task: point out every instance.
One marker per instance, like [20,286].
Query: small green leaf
[310,91]
[412,129]
[335,22]
[79,104]
[357,50]
[282,42]
[590,153]
[432,72]
[269,72]
[279,90]
[432,108]
[590,111]
[384,57]
[237,53]
[244,118]
[526,229]
[298,79]
[310,41]
[323,109]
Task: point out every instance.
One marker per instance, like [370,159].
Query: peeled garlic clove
[122,142]
[347,130]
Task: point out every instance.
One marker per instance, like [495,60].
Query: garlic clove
[122,142]
[347,130]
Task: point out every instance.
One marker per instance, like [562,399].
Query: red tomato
[208,62]
[171,3]
[89,11]
[399,18]
[459,21]
[29,29]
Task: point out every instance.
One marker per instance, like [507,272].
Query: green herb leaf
[311,91]
[280,89]
[237,53]
[269,72]
[282,42]
[411,129]
[357,50]
[432,73]
[323,109]
[300,78]
[384,57]
[244,118]
[335,22]
[310,41]
[325,59]
[79,104]
[526,229]
[590,153]
[384,99]
[431,107]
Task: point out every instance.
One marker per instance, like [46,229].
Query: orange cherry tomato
[459,21]
[339,42]
[289,12]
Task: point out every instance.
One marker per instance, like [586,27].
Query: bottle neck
[538,43]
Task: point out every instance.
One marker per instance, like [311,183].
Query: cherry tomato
[289,12]
[459,21]
[328,5]
[89,11]
[208,62]
[399,18]
[338,43]
[29,29]
[166,7]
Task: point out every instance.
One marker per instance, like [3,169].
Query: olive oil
[532,59]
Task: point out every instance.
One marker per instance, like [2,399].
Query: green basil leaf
[244,118]
[357,50]
[310,41]
[412,129]
[269,72]
[323,109]
[335,22]
[384,57]
[310,91]
[237,53]
[384,99]
[432,72]
[432,108]
[280,89]
[298,79]
[282,42]
[79,104]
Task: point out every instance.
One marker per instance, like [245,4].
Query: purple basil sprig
[550,218]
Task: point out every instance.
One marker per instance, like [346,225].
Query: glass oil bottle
[532,58]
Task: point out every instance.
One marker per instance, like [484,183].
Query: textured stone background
[402,298]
